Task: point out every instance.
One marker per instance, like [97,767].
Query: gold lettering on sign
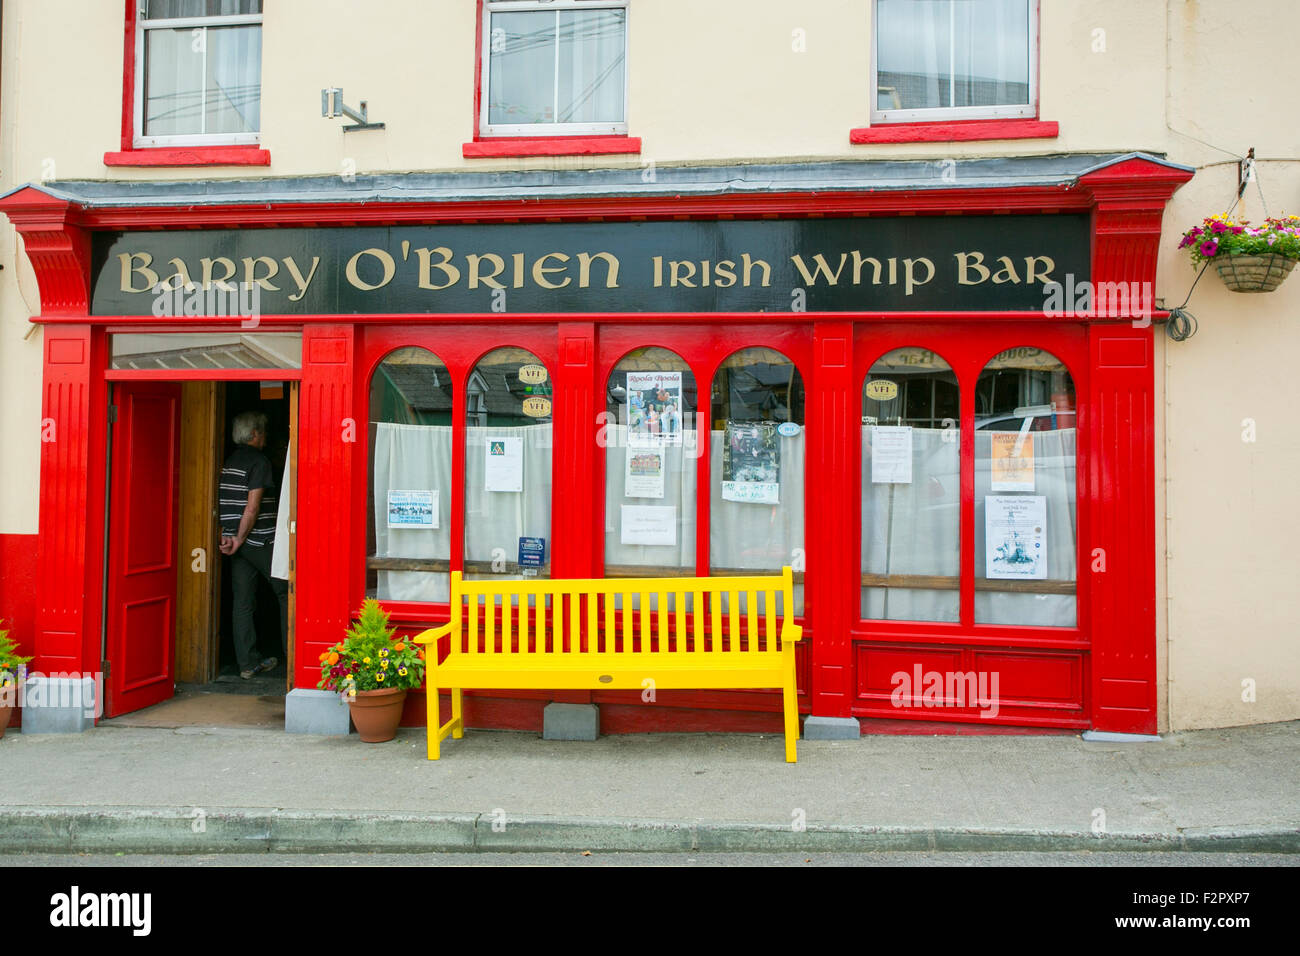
[444,263]
[490,279]
[819,268]
[911,279]
[859,262]
[250,272]
[724,274]
[674,267]
[180,279]
[296,274]
[223,282]
[747,264]
[385,260]
[1049,264]
[129,269]
[964,265]
[1007,273]
[611,269]
[541,270]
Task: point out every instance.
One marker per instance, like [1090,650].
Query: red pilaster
[574,415]
[331,434]
[832,580]
[74,426]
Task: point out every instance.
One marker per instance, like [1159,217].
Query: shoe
[248,674]
[266,665]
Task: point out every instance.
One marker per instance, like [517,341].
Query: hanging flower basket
[1248,258]
[1253,273]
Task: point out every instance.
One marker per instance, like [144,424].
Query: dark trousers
[246,566]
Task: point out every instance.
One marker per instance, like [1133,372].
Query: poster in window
[751,463]
[654,408]
[643,473]
[503,464]
[648,524]
[891,454]
[1012,458]
[1015,536]
[413,509]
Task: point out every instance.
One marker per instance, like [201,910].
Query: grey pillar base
[1112,737]
[570,722]
[316,712]
[61,705]
[831,728]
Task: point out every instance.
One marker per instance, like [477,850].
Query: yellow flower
[352,692]
[380,677]
[401,671]
[365,660]
[384,663]
[383,652]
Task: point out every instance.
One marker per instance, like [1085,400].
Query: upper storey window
[554,67]
[954,60]
[198,72]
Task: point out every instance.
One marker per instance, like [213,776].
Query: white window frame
[487,129]
[1012,111]
[190,139]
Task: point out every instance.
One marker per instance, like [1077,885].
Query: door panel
[142,559]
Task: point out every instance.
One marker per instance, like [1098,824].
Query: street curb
[263,830]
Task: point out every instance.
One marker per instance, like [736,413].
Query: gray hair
[246,425]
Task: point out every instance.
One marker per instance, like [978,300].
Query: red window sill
[191,156]
[955,131]
[551,146]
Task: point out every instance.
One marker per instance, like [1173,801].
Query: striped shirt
[245,469]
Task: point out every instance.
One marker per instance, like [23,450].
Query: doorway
[168,595]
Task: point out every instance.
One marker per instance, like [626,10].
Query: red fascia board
[1026,199]
[955,131]
[190,156]
[551,146]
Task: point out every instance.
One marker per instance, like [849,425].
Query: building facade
[871,288]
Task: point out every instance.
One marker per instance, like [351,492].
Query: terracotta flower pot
[1253,273]
[377,713]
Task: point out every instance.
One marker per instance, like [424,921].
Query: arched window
[1026,522]
[911,489]
[508,466]
[408,513]
[651,457]
[757,466]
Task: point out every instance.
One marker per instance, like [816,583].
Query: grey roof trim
[856,176]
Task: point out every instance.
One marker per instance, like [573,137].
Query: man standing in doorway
[248,516]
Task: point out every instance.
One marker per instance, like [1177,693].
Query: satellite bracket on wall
[332,105]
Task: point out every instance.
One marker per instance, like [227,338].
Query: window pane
[756,500]
[991,53]
[651,461]
[521,82]
[206,350]
[171,9]
[1026,525]
[508,467]
[935,54]
[591,66]
[911,489]
[234,77]
[173,86]
[408,535]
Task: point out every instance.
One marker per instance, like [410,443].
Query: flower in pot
[1248,258]
[11,674]
[372,672]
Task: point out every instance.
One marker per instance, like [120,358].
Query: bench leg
[457,715]
[431,694]
[791,721]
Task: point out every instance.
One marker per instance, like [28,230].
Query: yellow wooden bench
[614,634]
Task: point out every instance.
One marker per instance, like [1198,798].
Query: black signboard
[948,263]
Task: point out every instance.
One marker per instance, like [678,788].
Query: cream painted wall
[713,81]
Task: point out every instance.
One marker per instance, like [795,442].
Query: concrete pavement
[209,789]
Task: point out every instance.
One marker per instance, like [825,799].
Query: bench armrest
[790,632]
[433,634]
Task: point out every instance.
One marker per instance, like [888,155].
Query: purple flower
[1208,248]
[1272,239]
[1187,241]
[1238,230]
[1217,227]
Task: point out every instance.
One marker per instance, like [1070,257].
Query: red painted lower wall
[18,593]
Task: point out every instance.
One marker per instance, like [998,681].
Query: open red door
[142,535]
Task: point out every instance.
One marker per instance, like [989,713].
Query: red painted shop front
[916,430]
